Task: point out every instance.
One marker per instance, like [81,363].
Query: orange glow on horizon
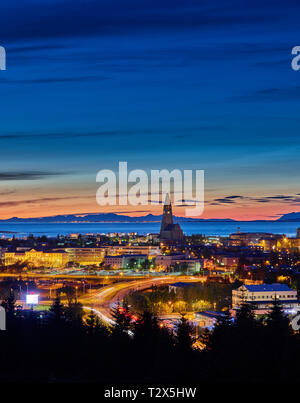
[252,212]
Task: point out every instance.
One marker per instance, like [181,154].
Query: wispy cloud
[29,175]
[40,200]
[51,80]
[48,20]
[271,94]
[291,199]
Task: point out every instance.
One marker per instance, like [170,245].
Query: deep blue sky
[160,84]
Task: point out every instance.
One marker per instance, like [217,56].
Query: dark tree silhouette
[122,319]
[57,312]
[184,339]
[94,326]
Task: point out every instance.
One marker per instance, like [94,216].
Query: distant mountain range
[106,217]
[112,217]
[290,217]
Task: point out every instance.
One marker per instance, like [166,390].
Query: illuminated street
[104,300]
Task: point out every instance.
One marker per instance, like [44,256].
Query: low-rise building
[86,256]
[249,238]
[208,319]
[55,259]
[165,262]
[149,250]
[227,260]
[262,297]
[180,286]
[124,261]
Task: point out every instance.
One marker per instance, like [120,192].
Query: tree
[69,291]
[74,313]
[57,311]
[122,320]
[278,336]
[9,304]
[146,329]
[152,344]
[220,338]
[277,322]
[184,340]
[146,264]
[245,317]
[205,339]
[132,263]
[94,326]
[184,267]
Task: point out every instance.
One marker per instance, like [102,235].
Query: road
[102,302]
[67,276]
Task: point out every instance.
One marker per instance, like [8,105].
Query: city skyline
[149,195]
[178,85]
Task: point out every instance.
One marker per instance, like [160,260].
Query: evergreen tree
[94,326]
[57,312]
[277,322]
[152,344]
[205,339]
[245,317]
[278,338]
[122,320]
[184,340]
[74,313]
[147,329]
[9,304]
[248,342]
[220,338]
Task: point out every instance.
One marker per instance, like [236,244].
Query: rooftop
[267,287]
[211,314]
[181,284]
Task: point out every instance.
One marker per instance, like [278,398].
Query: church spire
[167,218]
[170,233]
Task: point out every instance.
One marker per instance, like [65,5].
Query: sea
[214,228]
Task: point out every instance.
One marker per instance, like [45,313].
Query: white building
[124,261]
[208,319]
[263,296]
[165,262]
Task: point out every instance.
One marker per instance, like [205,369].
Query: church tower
[167,218]
[170,233]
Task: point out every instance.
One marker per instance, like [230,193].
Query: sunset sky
[159,84]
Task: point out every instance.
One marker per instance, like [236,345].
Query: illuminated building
[208,319]
[250,238]
[272,242]
[86,256]
[281,242]
[262,297]
[150,251]
[229,261]
[165,262]
[124,261]
[170,233]
[36,258]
